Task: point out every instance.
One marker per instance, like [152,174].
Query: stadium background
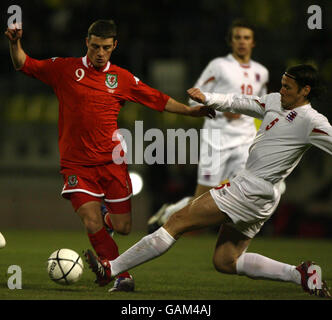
[166,44]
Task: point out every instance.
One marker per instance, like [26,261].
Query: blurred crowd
[166,29]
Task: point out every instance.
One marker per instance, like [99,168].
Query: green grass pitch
[183,273]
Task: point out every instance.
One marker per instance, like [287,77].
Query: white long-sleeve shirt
[227,75]
[284,135]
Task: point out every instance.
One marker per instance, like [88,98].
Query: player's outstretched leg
[307,274]
[230,257]
[200,213]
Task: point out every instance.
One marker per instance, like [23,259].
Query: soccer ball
[65,266]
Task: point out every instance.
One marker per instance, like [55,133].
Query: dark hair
[103,29]
[306,74]
[238,23]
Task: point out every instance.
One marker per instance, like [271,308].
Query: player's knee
[225,265]
[122,227]
[90,216]
[92,225]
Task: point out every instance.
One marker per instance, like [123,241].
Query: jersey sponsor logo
[291,116]
[72,181]
[111,80]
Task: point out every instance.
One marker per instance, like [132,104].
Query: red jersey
[89,103]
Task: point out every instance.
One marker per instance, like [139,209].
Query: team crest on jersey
[111,80]
[291,116]
[72,181]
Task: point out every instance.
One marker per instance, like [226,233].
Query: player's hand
[202,111]
[14,35]
[196,94]
[231,116]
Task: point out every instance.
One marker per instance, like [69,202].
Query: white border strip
[84,191]
[118,200]
[84,61]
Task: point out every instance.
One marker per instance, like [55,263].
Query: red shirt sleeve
[142,93]
[44,70]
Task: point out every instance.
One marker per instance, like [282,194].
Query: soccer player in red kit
[91,91]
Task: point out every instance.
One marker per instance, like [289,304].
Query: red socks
[105,247]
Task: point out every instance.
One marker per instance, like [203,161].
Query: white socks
[148,248]
[252,265]
[174,208]
[256,266]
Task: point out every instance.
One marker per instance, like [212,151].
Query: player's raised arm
[248,105]
[197,111]
[16,52]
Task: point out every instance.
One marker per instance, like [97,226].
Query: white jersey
[227,75]
[284,135]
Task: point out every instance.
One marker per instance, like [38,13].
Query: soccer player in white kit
[226,138]
[290,126]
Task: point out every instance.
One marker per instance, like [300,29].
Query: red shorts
[110,182]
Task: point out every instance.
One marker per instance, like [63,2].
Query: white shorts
[220,164]
[248,200]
